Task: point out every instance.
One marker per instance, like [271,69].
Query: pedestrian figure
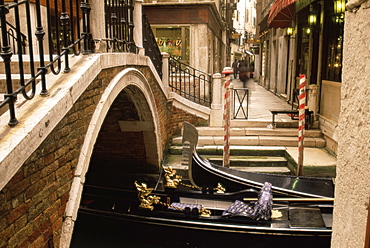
[243,72]
[235,68]
[251,70]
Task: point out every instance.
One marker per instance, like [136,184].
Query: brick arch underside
[125,146]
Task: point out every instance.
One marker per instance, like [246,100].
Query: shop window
[173,40]
[333,51]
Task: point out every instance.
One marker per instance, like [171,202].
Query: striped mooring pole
[301,124]
[226,118]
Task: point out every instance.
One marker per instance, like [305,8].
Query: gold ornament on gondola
[172,180]
[146,200]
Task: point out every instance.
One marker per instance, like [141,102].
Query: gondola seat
[177,206]
[257,210]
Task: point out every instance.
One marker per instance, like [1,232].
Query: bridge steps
[261,149]
[256,136]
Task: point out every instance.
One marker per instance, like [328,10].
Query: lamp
[312,19]
[339,7]
[289,31]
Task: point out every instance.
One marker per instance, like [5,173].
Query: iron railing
[119,26]
[12,39]
[190,83]
[151,46]
[63,20]
[68,32]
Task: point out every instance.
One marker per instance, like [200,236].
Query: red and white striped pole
[226,118]
[302,119]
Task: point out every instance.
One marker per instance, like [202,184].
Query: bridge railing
[38,37]
[151,46]
[63,20]
[190,83]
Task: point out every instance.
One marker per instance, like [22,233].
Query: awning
[281,14]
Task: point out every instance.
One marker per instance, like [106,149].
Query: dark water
[101,232]
[94,232]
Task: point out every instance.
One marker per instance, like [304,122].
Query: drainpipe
[315,89]
[319,62]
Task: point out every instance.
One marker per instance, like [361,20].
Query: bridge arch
[127,104]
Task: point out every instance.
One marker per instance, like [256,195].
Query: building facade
[305,37]
[195,32]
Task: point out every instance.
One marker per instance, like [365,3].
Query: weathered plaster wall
[353,170]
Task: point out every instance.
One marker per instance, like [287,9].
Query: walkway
[261,100]
[317,161]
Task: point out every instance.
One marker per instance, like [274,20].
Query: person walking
[235,68]
[243,72]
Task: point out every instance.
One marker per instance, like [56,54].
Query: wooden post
[226,154]
[301,126]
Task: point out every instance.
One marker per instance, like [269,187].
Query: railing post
[6,54]
[86,9]
[165,68]
[131,26]
[216,106]
[97,26]
[138,26]
[64,19]
[40,33]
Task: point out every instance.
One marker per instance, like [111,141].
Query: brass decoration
[220,189]
[275,214]
[146,200]
[172,180]
[205,212]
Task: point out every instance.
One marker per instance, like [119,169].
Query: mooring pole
[226,154]
[301,126]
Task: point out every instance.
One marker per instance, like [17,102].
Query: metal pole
[6,54]
[301,127]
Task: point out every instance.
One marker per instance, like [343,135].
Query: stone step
[257,131]
[275,165]
[270,170]
[256,141]
[250,161]
[263,123]
[235,150]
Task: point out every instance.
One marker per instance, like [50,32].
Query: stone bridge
[111,115]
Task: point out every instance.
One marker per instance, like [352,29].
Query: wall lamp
[312,19]
[339,7]
[289,31]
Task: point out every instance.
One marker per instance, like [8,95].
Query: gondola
[204,173]
[192,218]
[226,209]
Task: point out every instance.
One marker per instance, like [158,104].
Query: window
[333,51]
[173,40]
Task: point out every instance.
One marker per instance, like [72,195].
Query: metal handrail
[69,26]
[151,46]
[190,82]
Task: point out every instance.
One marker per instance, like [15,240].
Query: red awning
[281,14]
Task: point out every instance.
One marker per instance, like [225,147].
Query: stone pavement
[261,101]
